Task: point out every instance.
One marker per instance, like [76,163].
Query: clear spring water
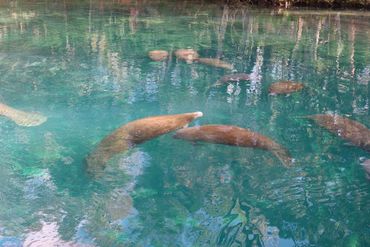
[84,65]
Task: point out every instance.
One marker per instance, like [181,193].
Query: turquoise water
[85,67]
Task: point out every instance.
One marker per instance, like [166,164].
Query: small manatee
[285,87]
[215,62]
[236,77]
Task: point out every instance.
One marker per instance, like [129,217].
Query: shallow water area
[84,65]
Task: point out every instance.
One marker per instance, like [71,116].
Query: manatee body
[136,132]
[158,55]
[236,77]
[366,165]
[189,55]
[234,136]
[215,62]
[285,87]
[355,132]
[27,119]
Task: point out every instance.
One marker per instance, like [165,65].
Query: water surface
[84,65]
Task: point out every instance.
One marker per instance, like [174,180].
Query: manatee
[236,77]
[285,87]
[27,119]
[158,55]
[189,55]
[234,136]
[134,133]
[352,131]
[215,62]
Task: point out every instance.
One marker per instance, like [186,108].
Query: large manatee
[136,132]
[350,130]
[234,136]
[22,118]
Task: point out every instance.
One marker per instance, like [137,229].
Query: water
[84,65]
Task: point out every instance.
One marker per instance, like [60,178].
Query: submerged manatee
[285,87]
[136,132]
[350,130]
[27,119]
[234,136]
[236,77]
[215,62]
[158,55]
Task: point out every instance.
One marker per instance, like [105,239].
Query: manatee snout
[198,114]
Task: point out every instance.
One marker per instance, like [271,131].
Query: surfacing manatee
[136,132]
[285,87]
[215,62]
[236,77]
[158,55]
[355,132]
[234,136]
[27,119]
